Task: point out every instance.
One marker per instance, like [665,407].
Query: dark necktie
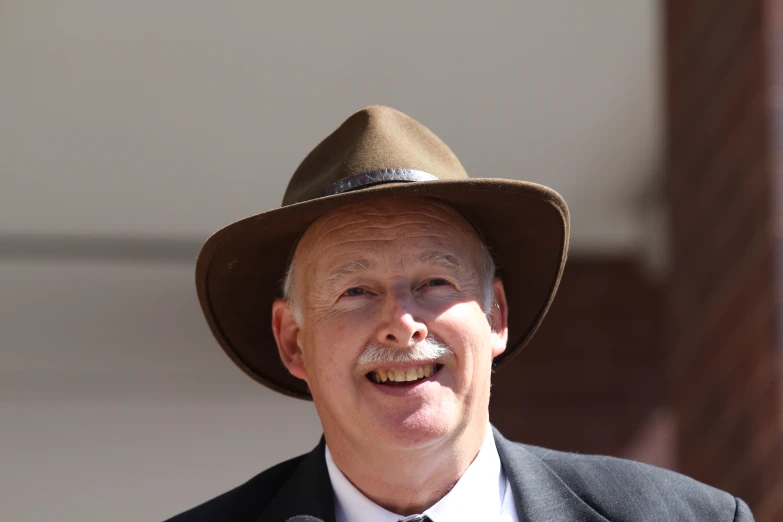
[420,518]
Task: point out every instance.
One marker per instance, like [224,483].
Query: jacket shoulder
[244,502]
[622,489]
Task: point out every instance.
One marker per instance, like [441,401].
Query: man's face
[393,274]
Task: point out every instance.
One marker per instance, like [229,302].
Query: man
[392,318]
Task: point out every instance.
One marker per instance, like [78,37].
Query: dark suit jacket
[548,486]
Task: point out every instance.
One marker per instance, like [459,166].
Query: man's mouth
[393,376]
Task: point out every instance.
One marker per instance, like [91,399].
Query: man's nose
[402,323]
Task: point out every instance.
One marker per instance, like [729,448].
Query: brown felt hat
[377,153]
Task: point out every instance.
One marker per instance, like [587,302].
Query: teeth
[400,375]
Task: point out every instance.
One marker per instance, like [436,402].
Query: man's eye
[352,292]
[436,282]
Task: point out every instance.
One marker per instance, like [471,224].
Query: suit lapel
[539,494]
[307,492]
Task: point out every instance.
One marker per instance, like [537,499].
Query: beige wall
[116,404]
[175,117]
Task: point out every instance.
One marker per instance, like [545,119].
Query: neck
[407,481]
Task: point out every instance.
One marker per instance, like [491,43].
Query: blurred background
[130,131]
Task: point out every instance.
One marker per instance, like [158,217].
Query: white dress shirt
[482,493]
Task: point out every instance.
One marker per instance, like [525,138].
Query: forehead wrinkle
[390,215]
[371,252]
[422,213]
[385,230]
[361,225]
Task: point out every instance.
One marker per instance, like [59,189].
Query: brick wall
[722,299]
[593,375]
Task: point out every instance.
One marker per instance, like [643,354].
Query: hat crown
[373,139]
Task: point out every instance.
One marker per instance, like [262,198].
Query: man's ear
[287,332]
[499,318]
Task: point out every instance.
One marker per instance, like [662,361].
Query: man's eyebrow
[349,268]
[441,259]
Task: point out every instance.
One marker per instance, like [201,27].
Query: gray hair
[429,349]
[486,268]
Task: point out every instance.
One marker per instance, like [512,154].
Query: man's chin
[412,430]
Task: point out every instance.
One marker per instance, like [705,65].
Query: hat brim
[240,268]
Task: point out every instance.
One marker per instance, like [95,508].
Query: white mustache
[427,350]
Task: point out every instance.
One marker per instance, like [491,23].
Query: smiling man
[404,284]
[394,343]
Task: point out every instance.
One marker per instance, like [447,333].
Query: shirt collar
[477,495]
